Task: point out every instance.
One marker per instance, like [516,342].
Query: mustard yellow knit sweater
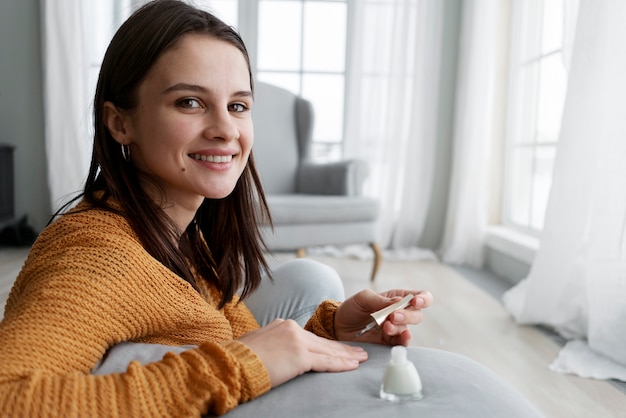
[87,285]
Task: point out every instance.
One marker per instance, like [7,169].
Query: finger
[422,299]
[394,335]
[369,301]
[336,349]
[331,356]
[390,329]
[326,363]
[405,317]
[337,358]
[402,339]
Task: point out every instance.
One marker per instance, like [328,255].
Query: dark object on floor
[18,234]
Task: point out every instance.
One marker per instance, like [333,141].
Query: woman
[165,244]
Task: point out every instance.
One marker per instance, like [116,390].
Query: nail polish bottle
[401,382]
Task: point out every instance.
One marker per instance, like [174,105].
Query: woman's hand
[354,314]
[288,351]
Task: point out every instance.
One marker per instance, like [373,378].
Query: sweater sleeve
[240,317]
[74,299]
[212,378]
[322,322]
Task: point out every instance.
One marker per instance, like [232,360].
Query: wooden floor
[464,319]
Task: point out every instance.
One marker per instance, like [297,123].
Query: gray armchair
[312,204]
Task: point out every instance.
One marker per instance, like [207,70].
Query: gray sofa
[453,386]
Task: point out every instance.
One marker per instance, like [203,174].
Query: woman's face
[191,132]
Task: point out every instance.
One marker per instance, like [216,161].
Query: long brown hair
[223,243]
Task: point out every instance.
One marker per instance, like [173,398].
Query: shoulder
[86,224]
[85,242]
[96,249]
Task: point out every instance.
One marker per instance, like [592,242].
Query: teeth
[212,158]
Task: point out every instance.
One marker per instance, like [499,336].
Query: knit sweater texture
[89,284]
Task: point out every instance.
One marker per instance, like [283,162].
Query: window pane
[552,38]
[552,86]
[326,93]
[279,40]
[224,9]
[530,31]
[525,119]
[520,186]
[538,91]
[324,36]
[542,181]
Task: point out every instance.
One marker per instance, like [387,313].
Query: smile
[212,158]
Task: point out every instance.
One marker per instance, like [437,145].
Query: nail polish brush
[379,317]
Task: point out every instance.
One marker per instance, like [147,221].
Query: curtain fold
[577,283]
[66,98]
[392,102]
[479,85]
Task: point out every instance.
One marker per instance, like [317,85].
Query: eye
[189,103]
[238,107]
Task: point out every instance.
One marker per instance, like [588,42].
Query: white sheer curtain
[75,35]
[66,97]
[577,283]
[392,108]
[479,88]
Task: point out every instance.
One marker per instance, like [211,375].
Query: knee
[313,277]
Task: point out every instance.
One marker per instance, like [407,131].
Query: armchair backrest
[283,130]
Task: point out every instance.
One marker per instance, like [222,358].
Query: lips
[212,158]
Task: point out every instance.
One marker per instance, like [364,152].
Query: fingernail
[419,302]
[398,317]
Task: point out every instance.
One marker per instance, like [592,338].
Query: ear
[117,122]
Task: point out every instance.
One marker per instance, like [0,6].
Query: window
[299,45]
[537,93]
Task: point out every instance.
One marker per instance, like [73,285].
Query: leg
[299,286]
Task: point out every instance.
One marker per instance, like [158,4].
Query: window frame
[523,110]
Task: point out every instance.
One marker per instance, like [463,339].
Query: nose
[220,125]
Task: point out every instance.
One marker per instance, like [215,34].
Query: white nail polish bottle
[401,382]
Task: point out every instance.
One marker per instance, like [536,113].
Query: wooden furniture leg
[378,256]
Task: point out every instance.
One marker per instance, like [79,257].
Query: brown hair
[223,243]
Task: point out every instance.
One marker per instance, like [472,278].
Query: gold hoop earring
[126,152]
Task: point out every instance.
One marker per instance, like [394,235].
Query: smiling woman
[164,246]
[190,133]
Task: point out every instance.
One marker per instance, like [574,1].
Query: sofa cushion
[453,386]
[300,208]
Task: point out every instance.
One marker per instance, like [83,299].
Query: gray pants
[298,287]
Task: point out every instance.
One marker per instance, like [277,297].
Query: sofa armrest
[336,178]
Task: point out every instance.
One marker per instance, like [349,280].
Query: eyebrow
[200,89]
